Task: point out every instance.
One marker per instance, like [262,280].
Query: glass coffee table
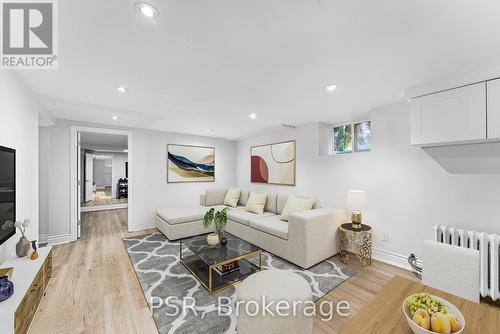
[220,267]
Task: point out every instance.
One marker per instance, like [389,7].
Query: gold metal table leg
[210,279]
[260,260]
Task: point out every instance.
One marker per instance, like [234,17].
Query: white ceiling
[205,65]
[102,141]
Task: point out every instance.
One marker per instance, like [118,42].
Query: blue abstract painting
[187,163]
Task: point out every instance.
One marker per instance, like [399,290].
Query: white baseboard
[59,239]
[140,227]
[43,238]
[103,207]
[391,258]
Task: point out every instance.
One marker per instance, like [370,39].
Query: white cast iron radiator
[488,246]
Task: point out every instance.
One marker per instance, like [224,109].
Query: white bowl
[450,308]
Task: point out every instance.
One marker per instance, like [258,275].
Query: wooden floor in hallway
[103,197]
[94,288]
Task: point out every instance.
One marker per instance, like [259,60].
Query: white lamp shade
[356,200]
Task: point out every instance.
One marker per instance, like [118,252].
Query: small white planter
[212,239]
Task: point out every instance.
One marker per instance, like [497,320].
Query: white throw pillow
[232,197]
[296,205]
[256,202]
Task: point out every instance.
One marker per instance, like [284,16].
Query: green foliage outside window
[345,141]
[363,136]
[342,139]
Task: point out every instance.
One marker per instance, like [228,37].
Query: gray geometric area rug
[161,275]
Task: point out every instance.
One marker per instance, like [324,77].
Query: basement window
[352,137]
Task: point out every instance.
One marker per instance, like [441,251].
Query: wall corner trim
[391,258]
[43,238]
[59,239]
[140,227]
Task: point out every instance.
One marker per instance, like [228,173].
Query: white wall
[102,172]
[409,189]
[119,160]
[19,130]
[151,188]
[82,175]
[43,191]
[150,180]
[55,142]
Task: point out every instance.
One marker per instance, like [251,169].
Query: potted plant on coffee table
[219,220]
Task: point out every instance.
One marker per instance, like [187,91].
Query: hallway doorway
[101,165]
[104,171]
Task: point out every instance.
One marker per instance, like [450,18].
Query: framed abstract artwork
[186,163]
[273,163]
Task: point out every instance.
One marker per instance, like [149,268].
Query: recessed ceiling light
[121,89]
[146,9]
[115,117]
[331,88]
[252,116]
[126,151]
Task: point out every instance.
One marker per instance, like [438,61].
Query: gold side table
[360,241]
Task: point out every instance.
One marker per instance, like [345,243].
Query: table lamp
[356,201]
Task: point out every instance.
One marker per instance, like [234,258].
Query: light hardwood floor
[94,288]
[103,197]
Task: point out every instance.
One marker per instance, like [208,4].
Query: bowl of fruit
[428,314]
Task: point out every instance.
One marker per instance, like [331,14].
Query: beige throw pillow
[296,205]
[256,202]
[232,197]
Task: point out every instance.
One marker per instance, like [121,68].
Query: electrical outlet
[385,237]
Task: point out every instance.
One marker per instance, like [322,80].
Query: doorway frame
[74,197]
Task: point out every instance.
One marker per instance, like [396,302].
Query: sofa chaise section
[180,222]
[187,221]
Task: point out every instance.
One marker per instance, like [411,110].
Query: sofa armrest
[203,200]
[314,222]
[315,234]
[215,196]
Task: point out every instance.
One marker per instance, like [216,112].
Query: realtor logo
[28,34]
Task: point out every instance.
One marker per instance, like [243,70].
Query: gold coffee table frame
[212,266]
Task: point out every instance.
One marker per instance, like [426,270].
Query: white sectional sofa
[305,239]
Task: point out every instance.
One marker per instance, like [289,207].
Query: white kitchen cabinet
[453,116]
[493,119]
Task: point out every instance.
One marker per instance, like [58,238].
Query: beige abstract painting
[273,163]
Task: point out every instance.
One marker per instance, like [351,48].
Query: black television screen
[7,193]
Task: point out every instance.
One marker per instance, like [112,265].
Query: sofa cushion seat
[243,216]
[181,215]
[271,225]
